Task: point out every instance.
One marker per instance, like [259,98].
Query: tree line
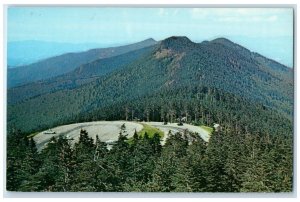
[232,161]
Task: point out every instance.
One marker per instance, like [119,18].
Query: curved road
[108,131]
[174,128]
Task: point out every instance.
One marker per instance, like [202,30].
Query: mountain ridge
[210,68]
[79,76]
[64,63]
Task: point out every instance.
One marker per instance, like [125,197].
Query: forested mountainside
[174,64]
[218,81]
[81,75]
[59,65]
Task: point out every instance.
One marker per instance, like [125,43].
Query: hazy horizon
[268,31]
[265,51]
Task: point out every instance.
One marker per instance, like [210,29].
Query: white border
[132,3]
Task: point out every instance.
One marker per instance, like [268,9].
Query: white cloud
[248,19]
[239,14]
[199,13]
[163,12]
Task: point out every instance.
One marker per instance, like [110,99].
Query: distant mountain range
[20,53]
[60,64]
[81,75]
[215,81]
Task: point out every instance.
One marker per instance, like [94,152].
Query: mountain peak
[176,43]
[222,40]
[178,39]
[149,40]
[230,44]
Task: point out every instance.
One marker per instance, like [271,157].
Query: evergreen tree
[84,172]
[66,165]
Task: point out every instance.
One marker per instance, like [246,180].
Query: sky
[268,31]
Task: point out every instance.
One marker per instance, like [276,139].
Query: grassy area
[150,130]
[208,129]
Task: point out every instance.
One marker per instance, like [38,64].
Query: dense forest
[174,66]
[83,74]
[216,81]
[231,162]
[201,105]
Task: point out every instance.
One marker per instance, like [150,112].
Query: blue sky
[268,31]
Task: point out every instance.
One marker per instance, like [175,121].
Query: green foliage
[220,82]
[150,130]
[207,82]
[208,129]
[230,162]
[22,162]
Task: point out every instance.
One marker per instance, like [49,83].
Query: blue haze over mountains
[206,67]
[267,31]
[21,53]
[146,68]
[61,64]
[26,52]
